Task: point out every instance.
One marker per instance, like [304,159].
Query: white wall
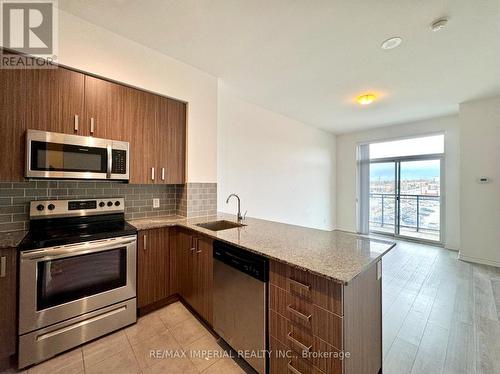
[93,49]
[480,203]
[282,169]
[346,170]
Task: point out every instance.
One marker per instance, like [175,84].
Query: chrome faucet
[240,217]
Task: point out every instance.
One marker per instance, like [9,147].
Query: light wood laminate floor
[440,315]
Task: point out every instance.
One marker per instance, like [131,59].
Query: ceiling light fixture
[439,24]
[365,99]
[391,43]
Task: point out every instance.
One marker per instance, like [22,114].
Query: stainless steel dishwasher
[240,302]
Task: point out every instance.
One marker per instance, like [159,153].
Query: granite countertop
[11,239]
[337,255]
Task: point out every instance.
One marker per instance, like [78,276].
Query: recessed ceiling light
[439,24]
[365,99]
[391,43]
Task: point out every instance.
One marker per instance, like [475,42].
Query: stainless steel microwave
[54,155]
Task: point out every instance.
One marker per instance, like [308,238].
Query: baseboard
[482,261]
[157,305]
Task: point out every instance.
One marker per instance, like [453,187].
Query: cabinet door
[55,98]
[12,123]
[204,278]
[153,266]
[139,117]
[171,141]
[185,254]
[104,109]
[8,306]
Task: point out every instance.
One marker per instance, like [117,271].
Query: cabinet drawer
[309,317]
[326,357]
[291,335]
[302,344]
[318,290]
[283,361]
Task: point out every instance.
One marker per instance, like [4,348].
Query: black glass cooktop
[61,231]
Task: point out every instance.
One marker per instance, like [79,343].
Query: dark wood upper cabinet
[105,109]
[171,141]
[12,123]
[55,101]
[153,266]
[70,102]
[8,306]
[139,122]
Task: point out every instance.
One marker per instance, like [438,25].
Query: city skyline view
[419,198]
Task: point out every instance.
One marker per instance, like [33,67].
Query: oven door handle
[110,161]
[76,249]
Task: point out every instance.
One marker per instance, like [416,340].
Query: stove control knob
[40,207]
[110,203]
[101,204]
[51,207]
[117,203]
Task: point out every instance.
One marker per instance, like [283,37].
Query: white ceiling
[310,59]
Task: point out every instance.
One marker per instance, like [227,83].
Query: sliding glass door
[405,197]
[419,199]
[383,196]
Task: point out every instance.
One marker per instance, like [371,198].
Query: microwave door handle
[110,161]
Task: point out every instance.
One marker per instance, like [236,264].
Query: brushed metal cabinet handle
[76,122]
[195,248]
[152,174]
[92,125]
[299,314]
[162,174]
[145,241]
[301,345]
[3,266]
[292,369]
[300,284]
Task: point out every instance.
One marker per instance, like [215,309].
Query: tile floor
[440,315]
[128,351]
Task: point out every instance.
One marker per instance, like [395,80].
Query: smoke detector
[391,43]
[439,24]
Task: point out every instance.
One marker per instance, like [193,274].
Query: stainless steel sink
[219,225]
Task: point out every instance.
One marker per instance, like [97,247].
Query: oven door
[63,282]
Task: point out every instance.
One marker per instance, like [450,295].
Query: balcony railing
[418,213]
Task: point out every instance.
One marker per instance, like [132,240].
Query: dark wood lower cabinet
[153,266]
[8,305]
[325,326]
[195,272]
[316,325]
[174,261]
[203,278]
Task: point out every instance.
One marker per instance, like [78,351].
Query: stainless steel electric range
[77,275]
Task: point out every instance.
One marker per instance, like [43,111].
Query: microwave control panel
[119,161]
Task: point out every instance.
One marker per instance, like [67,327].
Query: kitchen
[124,229]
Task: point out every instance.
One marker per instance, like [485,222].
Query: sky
[410,170]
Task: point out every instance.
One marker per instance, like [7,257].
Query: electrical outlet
[156,203]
